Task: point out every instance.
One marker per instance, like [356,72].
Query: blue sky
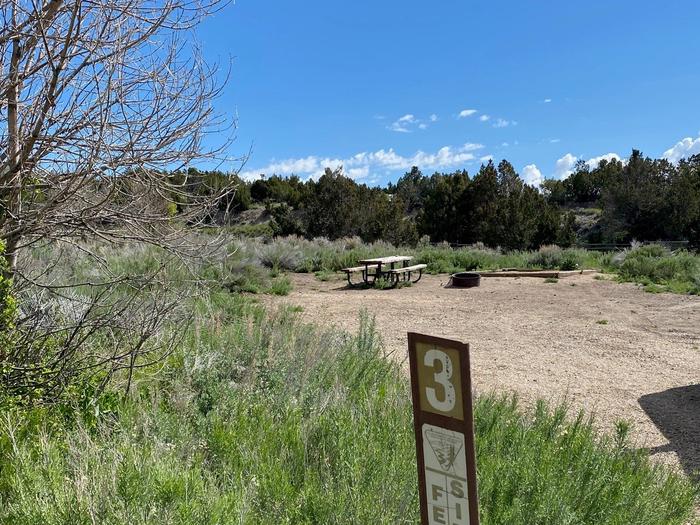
[380,85]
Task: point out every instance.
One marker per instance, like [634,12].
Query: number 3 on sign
[441,377]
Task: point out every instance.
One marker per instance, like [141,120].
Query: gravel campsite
[608,348]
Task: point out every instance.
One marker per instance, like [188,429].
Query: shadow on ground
[676,413]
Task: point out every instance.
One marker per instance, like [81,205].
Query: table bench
[355,269]
[405,273]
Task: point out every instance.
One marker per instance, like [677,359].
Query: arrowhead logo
[445,447]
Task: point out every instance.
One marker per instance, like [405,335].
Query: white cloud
[362,164]
[532,175]
[684,148]
[358,173]
[593,162]
[401,125]
[408,123]
[433,118]
[554,141]
[547,100]
[484,118]
[503,123]
[486,158]
[445,157]
[565,165]
[466,113]
[505,144]
[398,127]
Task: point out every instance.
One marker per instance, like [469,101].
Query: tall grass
[261,418]
[654,266]
[302,255]
[659,269]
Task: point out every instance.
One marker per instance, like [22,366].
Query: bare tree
[98,97]
[100,100]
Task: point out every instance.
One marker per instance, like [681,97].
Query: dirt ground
[609,348]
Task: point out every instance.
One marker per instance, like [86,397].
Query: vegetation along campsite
[220,222]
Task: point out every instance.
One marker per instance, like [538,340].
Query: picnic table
[376,268]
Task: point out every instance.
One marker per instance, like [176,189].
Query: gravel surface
[608,348]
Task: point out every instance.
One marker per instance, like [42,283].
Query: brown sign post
[442,415]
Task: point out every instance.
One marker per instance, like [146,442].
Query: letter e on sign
[442,413]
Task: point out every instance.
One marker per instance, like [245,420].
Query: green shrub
[8,303]
[554,258]
[281,286]
[282,254]
[382,283]
[570,261]
[653,264]
[262,419]
[320,255]
[650,250]
[171,209]
[263,230]
[249,279]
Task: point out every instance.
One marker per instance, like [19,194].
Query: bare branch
[103,100]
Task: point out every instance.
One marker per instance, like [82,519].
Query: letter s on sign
[442,378]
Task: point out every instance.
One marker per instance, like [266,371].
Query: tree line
[638,199]
[641,198]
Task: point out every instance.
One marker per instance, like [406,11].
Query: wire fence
[611,247]
[598,247]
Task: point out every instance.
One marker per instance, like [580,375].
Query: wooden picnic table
[391,260]
[392,273]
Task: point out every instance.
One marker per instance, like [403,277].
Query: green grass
[325,275]
[659,269]
[551,280]
[653,266]
[321,255]
[259,418]
[281,285]
[383,284]
[602,321]
[262,230]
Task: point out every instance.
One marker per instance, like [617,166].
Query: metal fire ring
[466,279]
